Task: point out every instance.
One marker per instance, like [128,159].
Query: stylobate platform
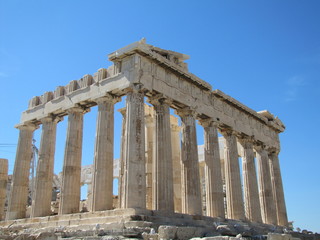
[136,222]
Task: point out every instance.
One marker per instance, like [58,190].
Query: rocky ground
[143,224]
[221,232]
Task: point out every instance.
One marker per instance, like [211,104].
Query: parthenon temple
[162,177]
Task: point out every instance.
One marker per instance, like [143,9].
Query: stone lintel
[62,99]
[276,125]
[149,52]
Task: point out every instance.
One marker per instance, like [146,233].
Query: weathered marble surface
[139,71]
[184,88]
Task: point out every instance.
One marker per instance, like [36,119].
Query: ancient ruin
[158,185]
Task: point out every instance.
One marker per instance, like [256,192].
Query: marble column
[134,179]
[71,173]
[277,188]
[190,179]
[102,178]
[265,188]
[3,185]
[250,183]
[162,177]
[149,121]
[212,171]
[89,197]
[235,207]
[123,112]
[20,182]
[41,202]
[176,164]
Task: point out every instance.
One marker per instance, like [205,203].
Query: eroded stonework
[169,182]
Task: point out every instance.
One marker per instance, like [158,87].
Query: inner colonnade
[140,72]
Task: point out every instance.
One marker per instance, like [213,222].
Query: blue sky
[266,54]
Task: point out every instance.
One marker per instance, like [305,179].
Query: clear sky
[266,54]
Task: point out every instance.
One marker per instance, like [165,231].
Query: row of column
[191,197]
[132,185]
[272,209]
[175,155]
[71,174]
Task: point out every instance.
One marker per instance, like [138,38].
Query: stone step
[136,220]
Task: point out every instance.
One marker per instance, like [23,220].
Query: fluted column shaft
[277,187]
[265,188]
[176,164]
[71,173]
[250,183]
[162,188]
[212,171]
[122,154]
[149,121]
[102,181]
[41,202]
[190,179]
[20,182]
[134,179]
[235,207]
[3,185]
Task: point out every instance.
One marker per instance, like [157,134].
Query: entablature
[157,71]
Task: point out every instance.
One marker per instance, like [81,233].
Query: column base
[134,222]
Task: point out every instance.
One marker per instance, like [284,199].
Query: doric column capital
[258,146]
[48,119]
[27,126]
[159,99]
[246,141]
[273,150]
[208,122]
[78,109]
[226,132]
[108,98]
[186,112]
